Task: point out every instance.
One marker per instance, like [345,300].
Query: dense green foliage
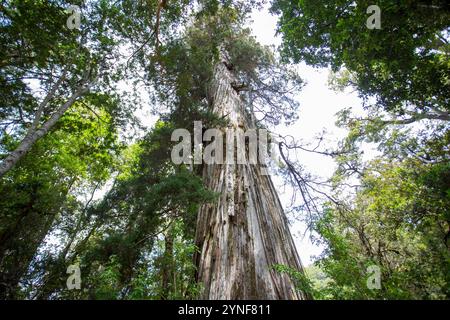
[399,222]
[404,65]
[97,192]
[393,211]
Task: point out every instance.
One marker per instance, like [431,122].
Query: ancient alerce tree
[245,233]
[84,186]
[222,77]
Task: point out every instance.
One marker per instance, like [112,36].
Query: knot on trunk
[239,86]
[229,65]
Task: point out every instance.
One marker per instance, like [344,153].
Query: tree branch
[34,135]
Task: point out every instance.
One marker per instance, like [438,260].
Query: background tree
[43,74]
[392,211]
[79,152]
[404,65]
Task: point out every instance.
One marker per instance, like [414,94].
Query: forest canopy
[92,205]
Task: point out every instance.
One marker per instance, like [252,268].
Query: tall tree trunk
[167,271]
[20,241]
[35,133]
[245,233]
[18,249]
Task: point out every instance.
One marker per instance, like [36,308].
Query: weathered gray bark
[245,233]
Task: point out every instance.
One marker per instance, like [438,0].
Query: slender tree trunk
[245,233]
[20,248]
[167,266]
[34,133]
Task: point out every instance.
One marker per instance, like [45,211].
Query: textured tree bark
[245,233]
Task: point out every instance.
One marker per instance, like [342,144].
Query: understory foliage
[391,212]
[98,189]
